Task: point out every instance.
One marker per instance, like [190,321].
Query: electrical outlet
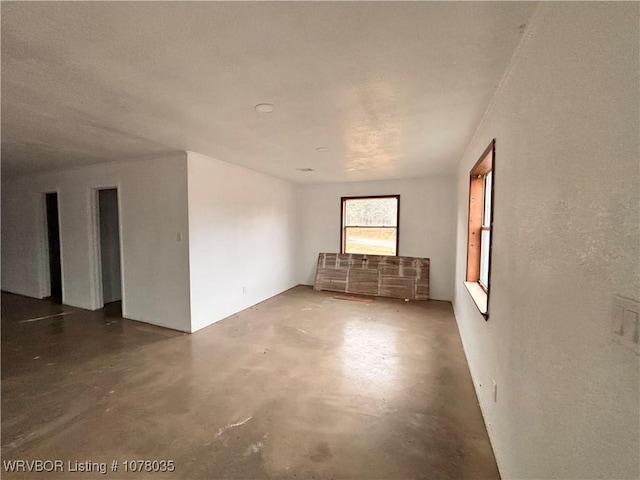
[244,290]
[625,323]
[495,391]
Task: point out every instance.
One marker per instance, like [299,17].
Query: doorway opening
[109,241]
[53,247]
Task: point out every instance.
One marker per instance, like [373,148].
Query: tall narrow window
[370,225]
[481,183]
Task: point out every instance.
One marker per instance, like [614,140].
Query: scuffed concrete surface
[299,386]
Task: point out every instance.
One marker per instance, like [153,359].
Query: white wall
[242,238]
[566,238]
[427,224]
[153,210]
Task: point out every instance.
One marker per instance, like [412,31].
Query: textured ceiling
[392,89]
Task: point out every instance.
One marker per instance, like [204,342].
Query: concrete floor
[300,386]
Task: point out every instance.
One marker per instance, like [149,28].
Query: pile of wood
[384,276]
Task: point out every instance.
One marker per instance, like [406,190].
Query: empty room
[320,240]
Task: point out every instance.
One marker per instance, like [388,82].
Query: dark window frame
[343,227]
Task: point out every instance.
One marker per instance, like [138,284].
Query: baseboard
[20,294]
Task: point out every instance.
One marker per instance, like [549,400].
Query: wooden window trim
[364,197]
[484,165]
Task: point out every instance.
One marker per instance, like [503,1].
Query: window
[481,183]
[370,225]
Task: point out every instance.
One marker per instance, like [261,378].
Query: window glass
[484,258]
[382,212]
[370,225]
[372,241]
[486,213]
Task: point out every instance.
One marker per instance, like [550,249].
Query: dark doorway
[109,246]
[53,239]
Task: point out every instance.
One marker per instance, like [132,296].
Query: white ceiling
[392,89]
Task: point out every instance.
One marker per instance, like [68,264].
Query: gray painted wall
[154,218]
[565,240]
[427,224]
